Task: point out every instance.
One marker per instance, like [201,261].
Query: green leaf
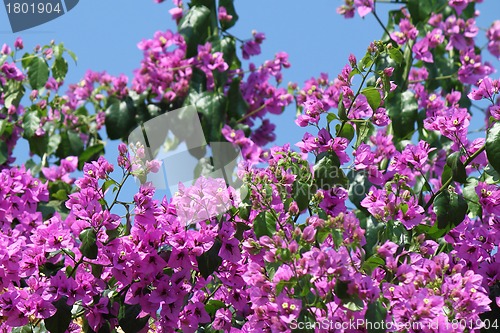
[371,263]
[309,321]
[280,286]
[60,195]
[39,145]
[264,224]
[376,313]
[23,329]
[14,94]
[237,107]
[355,304]
[89,247]
[127,318]
[3,126]
[60,321]
[213,305]
[373,233]
[58,50]
[209,261]
[194,27]
[229,5]
[26,60]
[60,69]
[403,111]
[457,167]
[359,185]
[301,194]
[447,174]
[341,109]
[38,73]
[396,55]
[351,302]
[90,154]
[108,183]
[4,152]
[322,235]
[490,176]
[227,46]
[327,172]
[72,55]
[71,144]
[241,227]
[470,195]
[31,122]
[33,167]
[346,132]
[53,143]
[443,66]
[373,97]
[197,85]
[450,209]
[355,71]
[212,106]
[493,146]
[363,130]
[97,270]
[120,118]
[420,10]
[331,117]
[3,58]
[366,61]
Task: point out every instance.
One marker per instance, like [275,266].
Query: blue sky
[104,35]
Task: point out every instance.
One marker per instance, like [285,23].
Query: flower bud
[18,44]
[309,233]
[294,208]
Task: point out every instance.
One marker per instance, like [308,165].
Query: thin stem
[213,293]
[233,36]
[128,223]
[428,184]
[76,266]
[40,55]
[444,77]
[382,25]
[448,182]
[68,254]
[478,107]
[178,68]
[78,314]
[467,153]
[359,89]
[355,96]
[393,2]
[408,57]
[119,189]
[352,261]
[260,108]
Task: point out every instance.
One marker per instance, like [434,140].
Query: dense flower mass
[493,35]
[384,218]
[165,68]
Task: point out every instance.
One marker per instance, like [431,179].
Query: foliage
[394,227]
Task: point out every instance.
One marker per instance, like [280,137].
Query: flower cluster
[493,35]
[164,69]
[388,210]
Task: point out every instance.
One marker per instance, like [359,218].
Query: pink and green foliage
[396,223]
